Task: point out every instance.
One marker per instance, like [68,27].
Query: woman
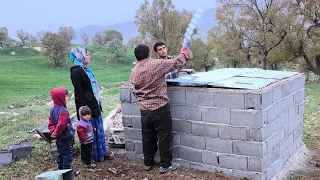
[87,94]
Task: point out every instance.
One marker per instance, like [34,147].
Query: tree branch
[280,40]
[310,27]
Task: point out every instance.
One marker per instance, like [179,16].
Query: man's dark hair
[84,110]
[156,45]
[141,52]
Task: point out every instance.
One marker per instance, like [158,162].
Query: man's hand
[53,136]
[187,52]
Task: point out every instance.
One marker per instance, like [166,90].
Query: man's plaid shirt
[148,78]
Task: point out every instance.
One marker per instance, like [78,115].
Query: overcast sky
[35,15]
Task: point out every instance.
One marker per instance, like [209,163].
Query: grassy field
[28,74]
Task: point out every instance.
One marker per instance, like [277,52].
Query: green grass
[312,115]
[28,74]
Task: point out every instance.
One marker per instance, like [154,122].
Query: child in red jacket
[61,128]
[85,134]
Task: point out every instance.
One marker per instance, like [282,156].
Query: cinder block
[138,147]
[292,149]
[134,98]
[272,112]
[216,115]
[136,122]
[228,100]
[204,129]
[276,94]
[259,101]
[198,98]
[203,167]
[287,89]
[301,109]
[209,158]
[298,84]
[271,157]
[233,133]
[272,142]
[298,132]
[182,162]
[177,97]
[279,164]
[5,157]
[255,134]
[256,149]
[293,126]
[129,145]
[298,142]
[298,96]
[247,175]
[271,128]
[293,113]
[275,140]
[190,154]
[132,134]
[20,149]
[289,141]
[283,147]
[176,139]
[125,95]
[225,171]
[285,104]
[219,145]
[233,161]
[280,136]
[133,155]
[284,118]
[255,164]
[270,172]
[250,117]
[126,121]
[130,109]
[175,153]
[197,142]
[181,126]
[187,112]
[286,156]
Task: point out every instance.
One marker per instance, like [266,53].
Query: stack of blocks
[242,133]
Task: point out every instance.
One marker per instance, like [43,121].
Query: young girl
[85,134]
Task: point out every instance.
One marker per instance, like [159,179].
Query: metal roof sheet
[240,78]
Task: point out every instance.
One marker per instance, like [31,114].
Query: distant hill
[129,28]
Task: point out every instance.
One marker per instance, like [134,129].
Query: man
[148,78]
[162,52]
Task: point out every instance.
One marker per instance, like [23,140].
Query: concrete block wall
[243,133]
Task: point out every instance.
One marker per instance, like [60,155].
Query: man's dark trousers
[157,127]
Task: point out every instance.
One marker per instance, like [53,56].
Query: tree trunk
[264,54]
[315,70]
[248,57]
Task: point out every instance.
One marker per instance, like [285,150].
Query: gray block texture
[20,149]
[242,133]
[5,157]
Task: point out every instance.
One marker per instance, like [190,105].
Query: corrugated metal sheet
[240,78]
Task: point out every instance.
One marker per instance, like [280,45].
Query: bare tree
[85,37]
[23,36]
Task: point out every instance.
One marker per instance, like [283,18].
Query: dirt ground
[122,168]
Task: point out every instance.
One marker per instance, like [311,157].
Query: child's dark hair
[84,110]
